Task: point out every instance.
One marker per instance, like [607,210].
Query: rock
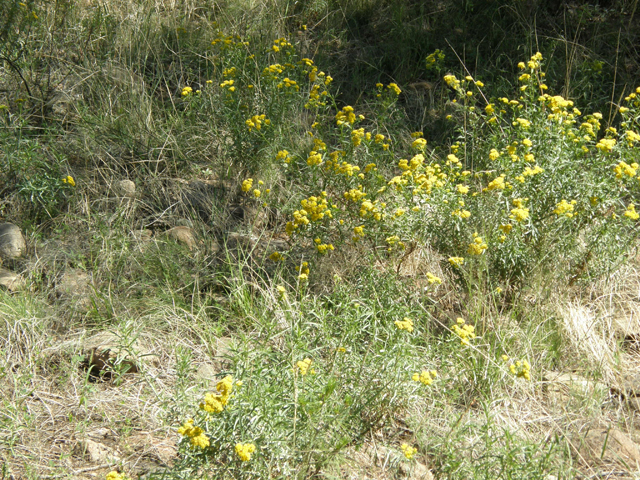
[158,450]
[184,235]
[415,471]
[604,444]
[75,285]
[241,241]
[631,386]
[12,243]
[106,352]
[125,188]
[11,280]
[206,373]
[96,452]
[561,386]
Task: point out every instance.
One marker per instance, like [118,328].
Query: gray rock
[184,235]
[75,286]
[12,243]
[11,280]
[125,188]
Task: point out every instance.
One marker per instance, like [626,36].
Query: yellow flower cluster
[606,144]
[357,135]
[463,331]
[631,137]
[497,183]
[426,377]
[303,366]
[346,115]
[215,402]
[316,207]
[394,88]
[196,435]
[631,213]
[288,84]
[355,194]
[432,279]
[452,81]
[276,256]
[408,451]
[116,476]
[228,84]
[461,213]
[358,233]
[314,158]
[625,169]
[418,144]
[256,122]
[322,247]
[303,270]
[245,450]
[273,70]
[69,181]
[186,91]
[521,369]
[405,324]
[520,213]
[368,208]
[565,208]
[280,43]
[247,184]
[478,246]
[456,261]
[284,156]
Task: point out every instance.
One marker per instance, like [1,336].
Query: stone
[75,285]
[106,352]
[96,452]
[12,243]
[206,373]
[125,188]
[159,450]
[183,235]
[607,444]
[11,280]
[561,385]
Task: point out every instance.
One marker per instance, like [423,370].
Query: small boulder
[106,352]
[75,286]
[11,280]
[184,235]
[12,243]
[610,445]
[96,452]
[125,188]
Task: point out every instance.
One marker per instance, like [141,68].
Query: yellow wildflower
[463,331]
[408,450]
[404,324]
[196,435]
[631,212]
[244,451]
[69,181]
[456,261]
[303,366]
[426,377]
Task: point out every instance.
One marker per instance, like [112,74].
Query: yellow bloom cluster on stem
[215,402]
[425,377]
[405,324]
[463,331]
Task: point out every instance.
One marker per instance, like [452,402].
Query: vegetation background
[349,344]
